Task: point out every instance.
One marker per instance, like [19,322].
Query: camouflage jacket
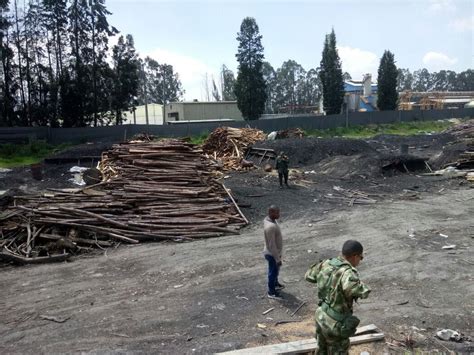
[282,163]
[338,284]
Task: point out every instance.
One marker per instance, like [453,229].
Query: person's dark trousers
[282,175]
[273,270]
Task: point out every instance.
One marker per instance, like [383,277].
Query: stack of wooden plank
[152,191]
[229,145]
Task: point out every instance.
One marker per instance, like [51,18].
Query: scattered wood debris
[352,197]
[290,133]
[152,191]
[229,145]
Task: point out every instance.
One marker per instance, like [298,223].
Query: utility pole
[164,97]
[145,94]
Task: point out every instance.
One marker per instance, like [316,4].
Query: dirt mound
[426,143]
[450,154]
[313,150]
[344,167]
[462,130]
[78,152]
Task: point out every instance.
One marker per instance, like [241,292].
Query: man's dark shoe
[274,296]
[279,287]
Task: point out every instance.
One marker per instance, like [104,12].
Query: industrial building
[360,95]
[202,111]
[155,115]
[434,100]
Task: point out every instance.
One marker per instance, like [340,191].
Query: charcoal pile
[229,145]
[152,191]
[464,130]
[459,153]
[313,150]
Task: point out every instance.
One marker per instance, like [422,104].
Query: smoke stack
[367,85]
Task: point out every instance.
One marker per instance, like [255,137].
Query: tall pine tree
[331,76]
[250,84]
[387,83]
[126,77]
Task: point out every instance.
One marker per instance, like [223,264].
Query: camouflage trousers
[327,333]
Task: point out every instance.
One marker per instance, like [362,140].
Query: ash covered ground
[209,295]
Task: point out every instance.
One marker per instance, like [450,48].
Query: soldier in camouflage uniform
[281,166]
[338,287]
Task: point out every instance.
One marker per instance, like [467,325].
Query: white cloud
[358,62]
[435,61]
[463,24]
[191,71]
[442,6]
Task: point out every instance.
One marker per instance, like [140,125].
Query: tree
[228,84]
[7,79]
[404,80]
[422,80]
[215,91]
[269,75]
[387,95]
[126,77]
[162,83]
[250,85]
[290,83]
[331,76]
[346,76]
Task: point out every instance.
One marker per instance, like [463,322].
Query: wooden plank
[306,345]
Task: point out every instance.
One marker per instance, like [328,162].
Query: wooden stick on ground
[235,204]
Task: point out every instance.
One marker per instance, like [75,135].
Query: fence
[119,133]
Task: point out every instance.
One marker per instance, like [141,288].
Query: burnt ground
[208,296]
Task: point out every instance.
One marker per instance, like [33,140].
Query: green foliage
[126,78]
[199,139]
[331,76]
[228,84]
[387,95]
[12,155]
[402,128]
[250,85]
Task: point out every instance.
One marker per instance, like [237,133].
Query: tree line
[57,68]
[260,89]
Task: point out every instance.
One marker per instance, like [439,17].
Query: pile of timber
[152,191]
[229,145]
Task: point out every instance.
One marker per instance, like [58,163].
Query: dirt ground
[208,296]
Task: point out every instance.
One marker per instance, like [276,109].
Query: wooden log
[235,204]
[8,256]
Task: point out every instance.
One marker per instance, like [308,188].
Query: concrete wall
[119,133]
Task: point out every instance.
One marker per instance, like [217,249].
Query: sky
[198,37]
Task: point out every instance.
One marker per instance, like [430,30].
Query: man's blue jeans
[273,270]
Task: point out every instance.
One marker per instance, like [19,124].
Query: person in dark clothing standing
[282,163]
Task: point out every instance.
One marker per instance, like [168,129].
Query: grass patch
[367,131]
[13,155]
[199,139]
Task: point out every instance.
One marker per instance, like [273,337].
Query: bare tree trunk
[20,72]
